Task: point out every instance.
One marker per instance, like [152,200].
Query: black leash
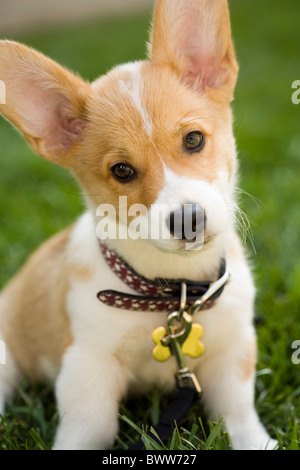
[176,411]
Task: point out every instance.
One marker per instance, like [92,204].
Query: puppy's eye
[194,142]
[123,172]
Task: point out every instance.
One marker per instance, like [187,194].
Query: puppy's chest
[135,353]
[128,336]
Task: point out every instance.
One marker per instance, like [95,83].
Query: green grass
[38,199]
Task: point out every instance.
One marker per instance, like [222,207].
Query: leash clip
[185,378]
[185,341]
[181,337]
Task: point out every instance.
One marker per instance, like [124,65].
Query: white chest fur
[107,331]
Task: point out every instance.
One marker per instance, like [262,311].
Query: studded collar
[159,295]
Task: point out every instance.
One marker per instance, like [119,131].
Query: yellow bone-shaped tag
[192,346]
[161,353]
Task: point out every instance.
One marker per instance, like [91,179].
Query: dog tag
[192,346]
[160,352]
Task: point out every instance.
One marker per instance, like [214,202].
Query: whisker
[244,227]
[255,199]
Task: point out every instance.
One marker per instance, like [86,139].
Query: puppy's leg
[88,390]
[228,380]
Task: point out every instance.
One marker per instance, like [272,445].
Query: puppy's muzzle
[187,222]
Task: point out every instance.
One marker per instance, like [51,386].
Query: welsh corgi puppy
[154,134]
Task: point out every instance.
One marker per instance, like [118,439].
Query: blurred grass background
[38,199]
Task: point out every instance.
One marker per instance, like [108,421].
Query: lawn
[38,199]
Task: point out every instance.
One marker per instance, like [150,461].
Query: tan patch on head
[248,361]
[140,116]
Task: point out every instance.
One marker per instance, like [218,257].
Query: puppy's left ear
[43,100]
[194,38]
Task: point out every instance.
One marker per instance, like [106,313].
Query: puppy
[159,134]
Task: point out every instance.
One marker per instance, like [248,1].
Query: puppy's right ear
[43,100]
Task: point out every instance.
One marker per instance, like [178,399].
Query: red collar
[155,295]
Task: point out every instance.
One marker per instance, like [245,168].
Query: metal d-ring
[181,331]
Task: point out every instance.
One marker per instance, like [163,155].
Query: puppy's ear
[43,100]
[194,38]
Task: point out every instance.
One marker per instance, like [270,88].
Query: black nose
[186,222]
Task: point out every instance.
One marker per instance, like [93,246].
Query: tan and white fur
[138,114]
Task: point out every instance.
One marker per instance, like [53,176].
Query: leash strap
[185,399]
